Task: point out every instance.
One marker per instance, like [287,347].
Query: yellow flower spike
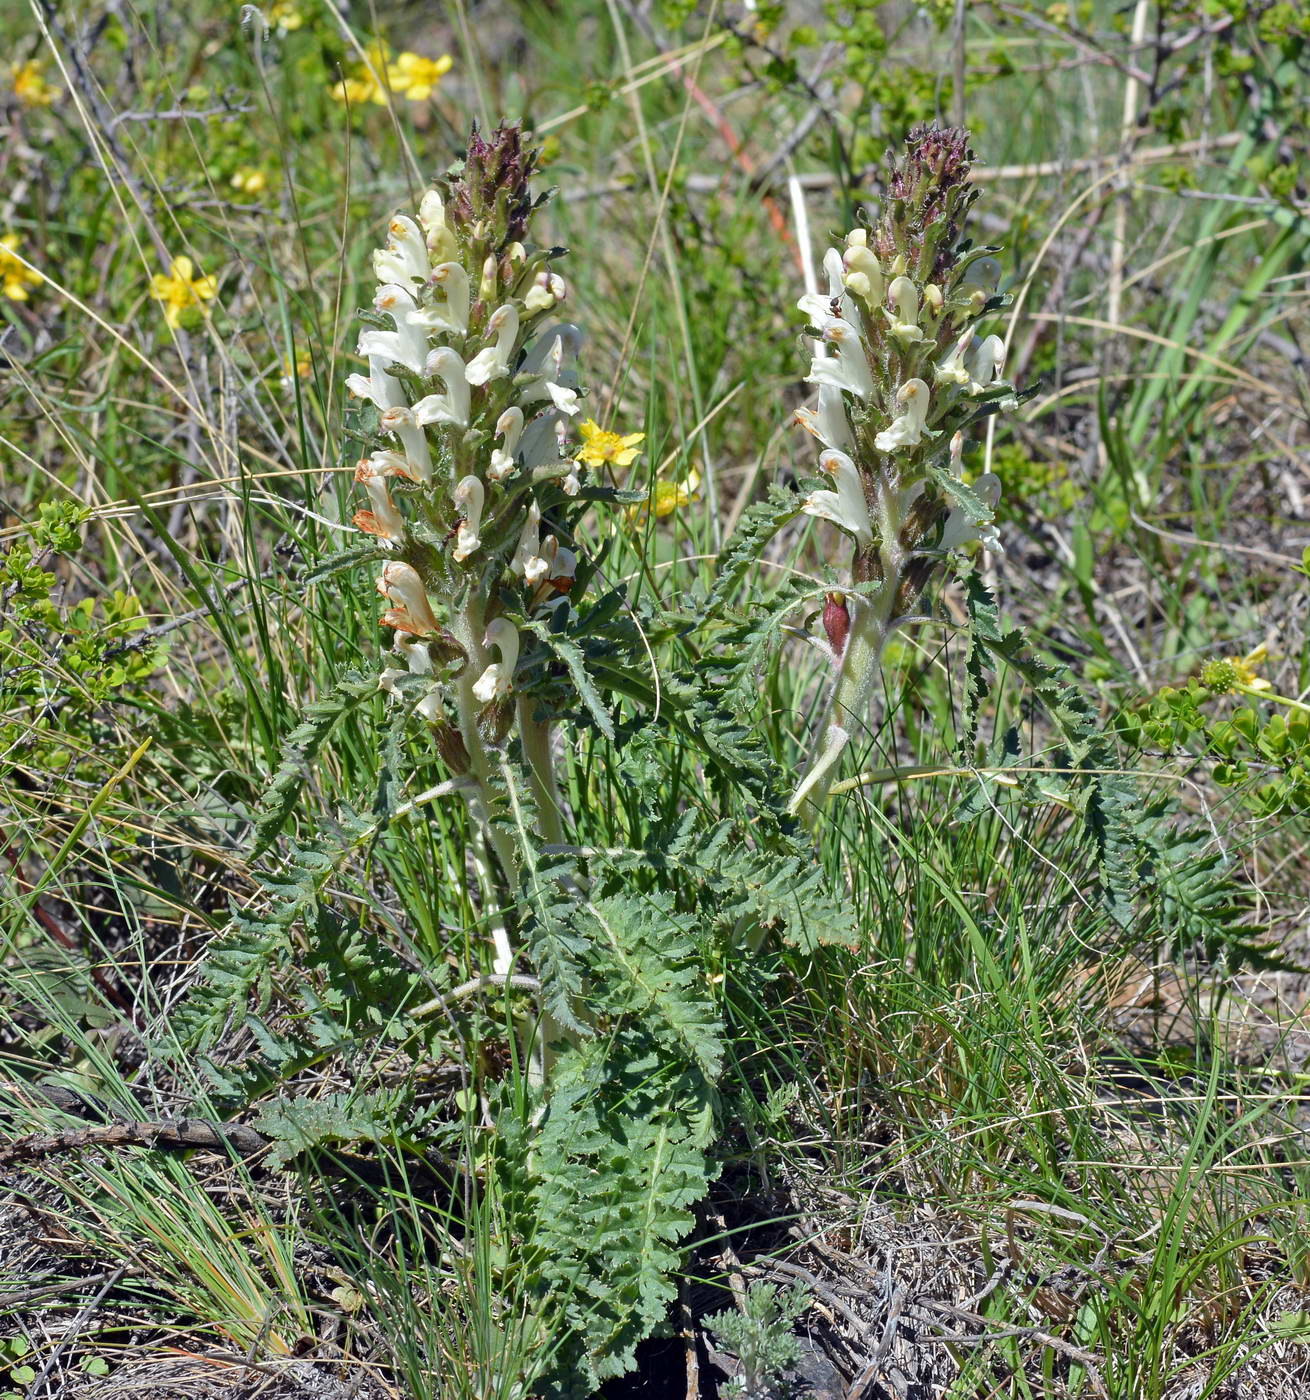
[15,276]
[600,446]
[416,77]
[30,86]
[180,291]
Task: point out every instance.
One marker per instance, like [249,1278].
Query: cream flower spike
[405,258]
[846,507]
[848,369]
[904,311]
[907,429]
[469,496]
[410,612]
[498,678]
[509,427]
[493,362]
[453,405]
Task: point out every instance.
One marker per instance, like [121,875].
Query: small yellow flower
[249,180]
[364,83]
[180,291]
[284,17]
[30,86]
[1236,672]
[668,496]
[1246,668]
[15,277]
[301,368]
[600,446]
[416,77]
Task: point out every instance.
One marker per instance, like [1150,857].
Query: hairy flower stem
[848,702]
[535,738]
[487,839]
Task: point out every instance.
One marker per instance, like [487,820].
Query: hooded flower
[498,678]
[907,429]
[410,609]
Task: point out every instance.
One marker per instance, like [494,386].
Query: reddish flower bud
[836,622]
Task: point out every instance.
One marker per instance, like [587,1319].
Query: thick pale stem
[468,631]
[847,710]
[848,702]
[535,739]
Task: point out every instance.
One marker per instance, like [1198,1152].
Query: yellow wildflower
[667,496]
[416,77]
[15,277]
[180,291]
[30,86]
[1245,667]
[300,368]
[1236,672]
[284,17]
[364,83]
[249,180]
[600,446]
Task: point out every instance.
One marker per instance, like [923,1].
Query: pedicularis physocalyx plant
[470,482]
[902,376]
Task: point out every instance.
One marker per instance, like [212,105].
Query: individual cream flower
[15,276]
[249,180]
[848,369]
[452,313]
[399,419]
[30,86]
[180,291]
[529,545]
[547,291]
[907,429]
[432,219]
[847,506]
[416,77]
[904,311]
[985,361]
[410,609]
[509,428]
[404,260]
[493,362]
[829,423]
[599,446]
[498,678]
[469,496]
[385,519]
[453,405]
